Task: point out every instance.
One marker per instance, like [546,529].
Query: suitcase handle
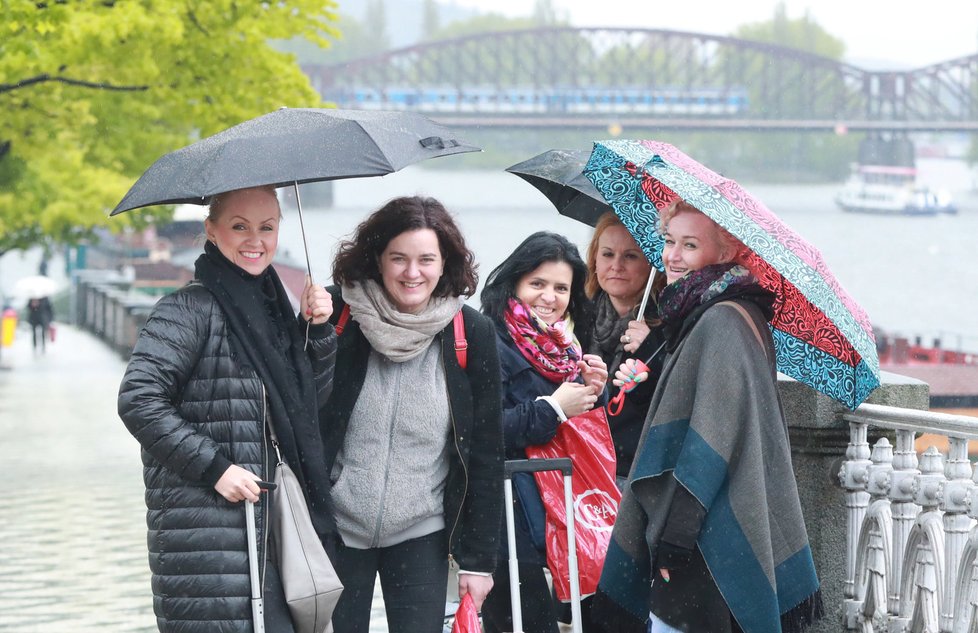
[563,464]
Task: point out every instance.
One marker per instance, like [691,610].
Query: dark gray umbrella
[292,146]
[558,174]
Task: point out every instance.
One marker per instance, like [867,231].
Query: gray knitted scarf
[399,336]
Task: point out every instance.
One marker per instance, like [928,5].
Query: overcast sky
[907,33]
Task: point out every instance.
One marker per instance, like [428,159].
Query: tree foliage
[92,92]
[803,34]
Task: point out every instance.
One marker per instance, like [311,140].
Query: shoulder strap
[344,317]
[461,344]
[750,321]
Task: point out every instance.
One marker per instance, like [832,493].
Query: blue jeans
[413,577]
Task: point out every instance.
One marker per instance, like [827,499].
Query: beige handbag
[311,585]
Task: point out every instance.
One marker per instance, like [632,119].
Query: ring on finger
[627,339]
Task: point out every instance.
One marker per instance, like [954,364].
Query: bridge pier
[894,150]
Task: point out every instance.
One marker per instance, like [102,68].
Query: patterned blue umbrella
[822,337]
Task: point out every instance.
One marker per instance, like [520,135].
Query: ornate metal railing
[912,534]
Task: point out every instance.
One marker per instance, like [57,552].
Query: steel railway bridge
[601,77]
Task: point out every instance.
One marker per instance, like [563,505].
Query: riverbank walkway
[72,519]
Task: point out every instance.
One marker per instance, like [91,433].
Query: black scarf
[265,335]
[684,301]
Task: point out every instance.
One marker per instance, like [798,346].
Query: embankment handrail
[898,418]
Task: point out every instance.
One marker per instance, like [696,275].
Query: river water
[915,276]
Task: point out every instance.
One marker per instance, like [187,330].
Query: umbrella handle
[648,291]
[615,406]
[305,246]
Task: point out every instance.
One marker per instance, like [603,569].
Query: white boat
[892,191]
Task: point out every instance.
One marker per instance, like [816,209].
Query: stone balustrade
[911,523]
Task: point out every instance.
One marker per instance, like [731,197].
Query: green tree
[430,20]
[375,23]
[803,34]
[544,13]
[92,92]
[350,42]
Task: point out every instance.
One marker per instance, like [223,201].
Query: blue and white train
[660,101]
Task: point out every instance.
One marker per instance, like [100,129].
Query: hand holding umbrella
[635,372]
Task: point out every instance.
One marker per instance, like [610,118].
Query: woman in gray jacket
[219,363]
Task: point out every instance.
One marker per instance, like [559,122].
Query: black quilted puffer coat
[195,410]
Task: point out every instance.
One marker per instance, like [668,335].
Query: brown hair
[358,259]
[724,239]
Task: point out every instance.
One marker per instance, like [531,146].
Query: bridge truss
[565,76]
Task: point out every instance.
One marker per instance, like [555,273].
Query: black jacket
[473,492]
[527,421]
[195,410]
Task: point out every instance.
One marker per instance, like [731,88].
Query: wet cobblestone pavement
[72,519]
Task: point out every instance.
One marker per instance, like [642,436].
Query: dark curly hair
[538,249]
[358,259]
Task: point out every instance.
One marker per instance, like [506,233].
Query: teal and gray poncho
[717,429]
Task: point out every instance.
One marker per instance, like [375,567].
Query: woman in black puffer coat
[219,363]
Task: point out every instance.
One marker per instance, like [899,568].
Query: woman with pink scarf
[537,302]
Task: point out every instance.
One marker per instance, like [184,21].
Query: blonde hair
[219,200]
[727,242]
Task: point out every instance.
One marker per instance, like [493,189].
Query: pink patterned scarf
[552,350]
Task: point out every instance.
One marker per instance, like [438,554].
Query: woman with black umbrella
[219,365]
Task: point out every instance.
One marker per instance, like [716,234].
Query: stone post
[819,439]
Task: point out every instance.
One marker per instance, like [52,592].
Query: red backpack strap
[461,345]
[344,317]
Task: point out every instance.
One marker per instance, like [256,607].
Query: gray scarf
[609,327]
[399,336]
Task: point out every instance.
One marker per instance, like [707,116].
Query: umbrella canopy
[822,337]
[559,175]
[292,146]
[35,287]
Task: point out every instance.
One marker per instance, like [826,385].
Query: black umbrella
[291,146]
[558,174]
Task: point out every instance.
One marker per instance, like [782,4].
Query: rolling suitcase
[563,464]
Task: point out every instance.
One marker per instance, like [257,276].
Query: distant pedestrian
[220,363]
[39,316]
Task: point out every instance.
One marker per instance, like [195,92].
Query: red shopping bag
[586,440]
[52,331]
[466,617]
